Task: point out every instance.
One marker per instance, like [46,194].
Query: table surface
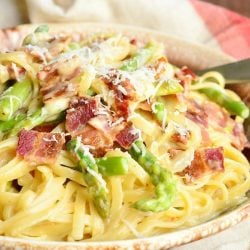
[240,6]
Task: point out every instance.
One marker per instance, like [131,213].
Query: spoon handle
[234,73]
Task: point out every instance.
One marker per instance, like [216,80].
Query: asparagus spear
[74,46]
[42,28]
[51,112]
[29,122]
[95,182]
[110,166]
[40,34]
[140,58]
[159,111]
[172,86]
[162,179]
[220,96]
[13,99]
[6,126]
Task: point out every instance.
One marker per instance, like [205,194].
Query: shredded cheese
[132,229]
[53,139]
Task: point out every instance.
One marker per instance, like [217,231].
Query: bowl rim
[194,55]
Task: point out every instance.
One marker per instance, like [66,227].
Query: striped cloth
[192,20]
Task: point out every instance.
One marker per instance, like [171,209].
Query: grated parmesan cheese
[53,139]
[117,122]
[122,90]
[132,229]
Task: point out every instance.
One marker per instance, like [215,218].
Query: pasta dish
[102,138]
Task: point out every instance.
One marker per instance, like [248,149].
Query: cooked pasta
[102,138]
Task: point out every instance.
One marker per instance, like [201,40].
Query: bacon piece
[181,138]
[38,147]
[47,47]
[185,75]
[122,108]
[99,141]
[211,114]
[11,71]
[80,111]
[160,66]
[15,71]
[97,128]
[100,133]
[127,136]
[64,89]
[123,89]
[217,117]
[57,79]
[196,113]
[173,152]
[206,141]
[207,113]
[58,44]
[39,54]
[206,160]
[239,139]
[188,72]
[121,86]
[134,41]
[45,127]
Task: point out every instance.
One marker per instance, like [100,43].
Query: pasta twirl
[114,142]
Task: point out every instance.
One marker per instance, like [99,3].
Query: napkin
[192,20]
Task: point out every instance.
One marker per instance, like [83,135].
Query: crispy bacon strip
[99,141]
[173,152]
[206,160]
[196,113]
[239,138]
[210,114]
[181,138]
[127,136]
[39,147]
[45,127]
[185,75]
[160,66]
[80,111]
[94,124]
[123,89]
[64,89]
[15,72]
[57,79]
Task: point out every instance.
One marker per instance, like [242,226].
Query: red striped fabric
[231,30]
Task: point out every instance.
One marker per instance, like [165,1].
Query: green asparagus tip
[112,166]
[42,28]
[162,179]
[74,46]
[223,99]
[71,145]
[96,184]
[245,113]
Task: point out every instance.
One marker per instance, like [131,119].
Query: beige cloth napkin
[155,14]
